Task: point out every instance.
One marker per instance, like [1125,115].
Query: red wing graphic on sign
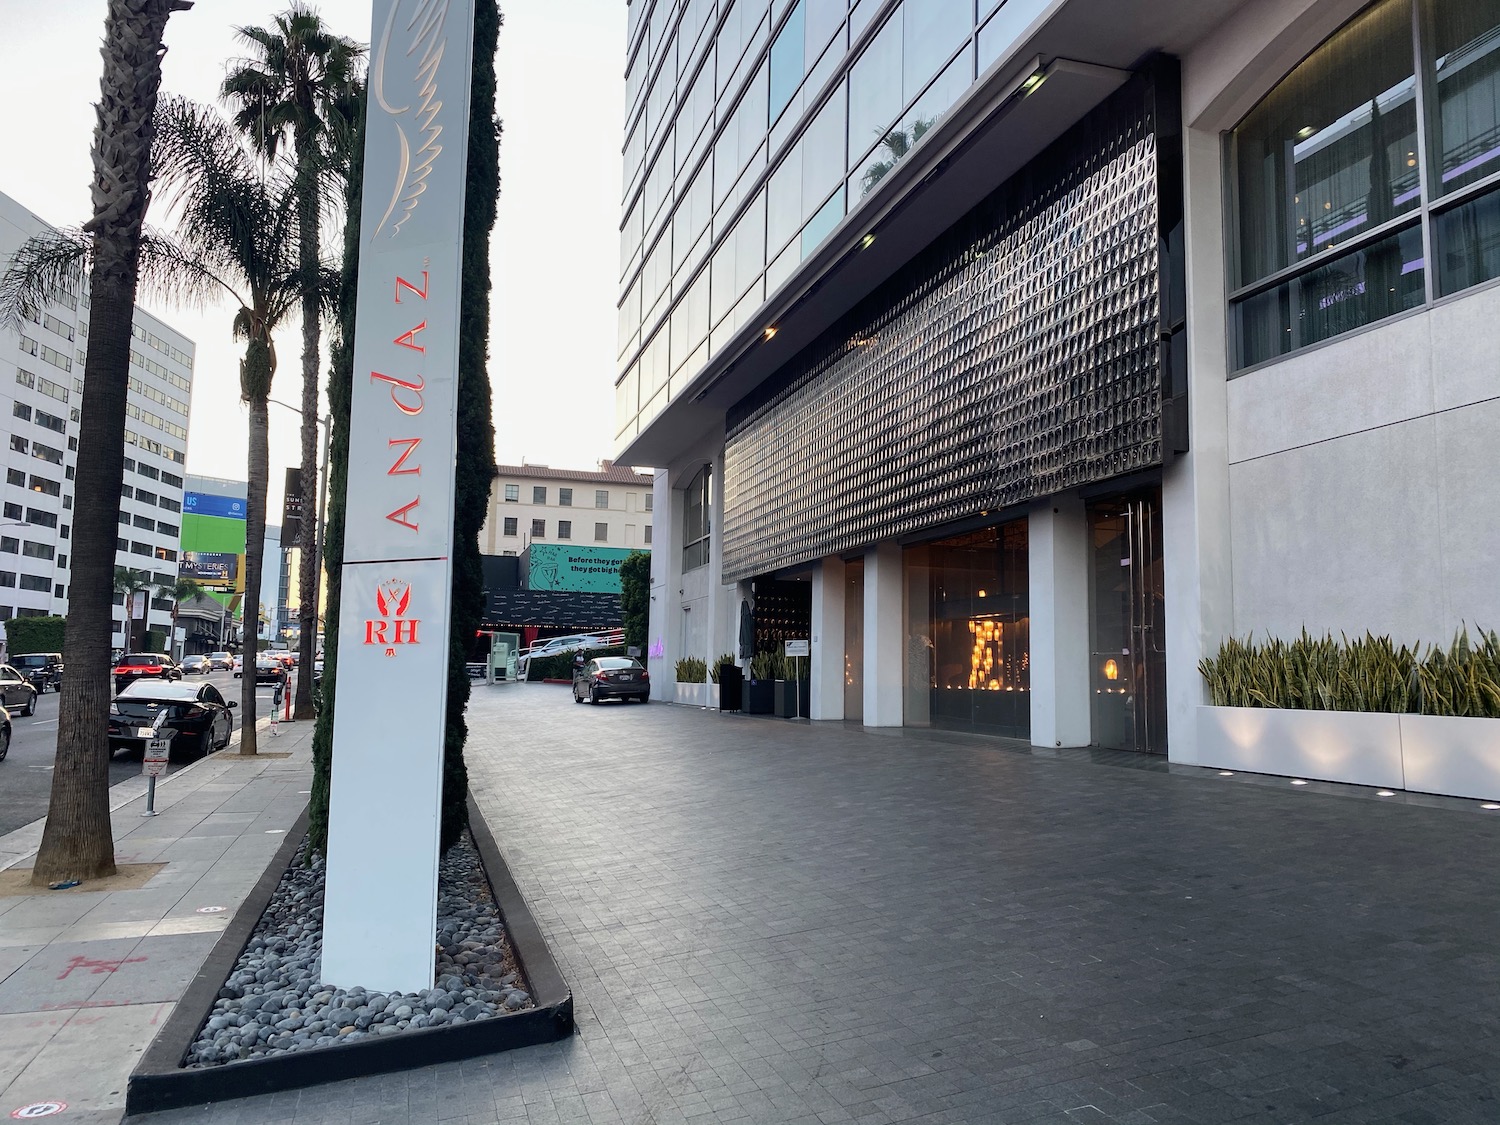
[392,628]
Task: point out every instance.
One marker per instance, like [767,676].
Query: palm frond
[44,264]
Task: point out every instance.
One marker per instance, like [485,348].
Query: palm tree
[77,842]
[897,143]
[300,80]
[237,230]
[128,581]
[177,591]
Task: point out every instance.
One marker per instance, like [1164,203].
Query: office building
[1017,353]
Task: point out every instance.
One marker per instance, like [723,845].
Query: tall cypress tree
[476,438]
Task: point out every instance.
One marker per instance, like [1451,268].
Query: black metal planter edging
[160,1081]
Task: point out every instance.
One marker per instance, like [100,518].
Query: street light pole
[306,613]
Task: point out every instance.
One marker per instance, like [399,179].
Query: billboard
[560,566]
[212,541]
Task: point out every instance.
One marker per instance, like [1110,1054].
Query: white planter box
[1457,757]
[1356,747]
[693,695]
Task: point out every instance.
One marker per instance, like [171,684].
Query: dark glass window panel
[1465,50]
[1346,293]
[1467,244]
[931,32]
[788,60]
[1331,152]
[915,123]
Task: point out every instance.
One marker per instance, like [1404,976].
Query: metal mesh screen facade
[1016,357]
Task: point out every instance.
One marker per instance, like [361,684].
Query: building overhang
[1029,98]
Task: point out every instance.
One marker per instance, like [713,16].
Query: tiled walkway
[775,922]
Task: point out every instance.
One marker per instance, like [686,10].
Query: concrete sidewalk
[88,977]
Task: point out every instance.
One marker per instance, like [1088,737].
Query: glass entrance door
[1128,673]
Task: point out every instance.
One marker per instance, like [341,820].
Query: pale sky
[555,251]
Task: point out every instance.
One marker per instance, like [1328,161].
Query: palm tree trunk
[257,472]
[308,253]
[78,841]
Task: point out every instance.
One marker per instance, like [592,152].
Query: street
[26,773]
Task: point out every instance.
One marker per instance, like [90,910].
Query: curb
[160,1081]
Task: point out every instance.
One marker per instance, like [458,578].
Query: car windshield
[218,656]
[141,660]
[611,663]
[35,660]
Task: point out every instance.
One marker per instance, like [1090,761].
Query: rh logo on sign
[392,627]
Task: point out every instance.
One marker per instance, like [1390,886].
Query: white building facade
[41,393]
[607,507]
[1017,354]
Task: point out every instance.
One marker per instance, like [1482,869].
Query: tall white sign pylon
[380,907]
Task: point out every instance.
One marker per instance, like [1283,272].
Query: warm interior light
[984,593]
[771,331]
[1111,669]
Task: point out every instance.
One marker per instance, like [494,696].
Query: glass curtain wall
[1383,142]
[969,637]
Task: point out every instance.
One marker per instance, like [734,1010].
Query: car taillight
[645,675]
[195,712]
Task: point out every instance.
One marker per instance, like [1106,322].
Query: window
[565,529]
[601,533]
[63,531]
[166,554]
[60,591]
[164,528]
[21,411]
[1338,179]
[40,519]
[7,578]
[16,477]
[171,479]
[169,504]
[45,486]
[12,511]
[695,521]
[512,493]
[565,497]
[73,443]
[650,498]
[37,582]
[145,497]
[46,453]
[10,545]
[18,443]
[144,523]
[648,535]
[68,501]
[129,465]
[510,525]
[141,549]
[538,529]
[62,561]
[601,498]
[148,471]
[538,494]
[38,550]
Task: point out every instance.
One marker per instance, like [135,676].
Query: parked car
[196,665]
[43,669]
[559,646]
[145,665]
[318,671]
[197,712]
[612,677]
[16,691]
[220,661]
[4,733]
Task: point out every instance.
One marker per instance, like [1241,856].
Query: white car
[558,646]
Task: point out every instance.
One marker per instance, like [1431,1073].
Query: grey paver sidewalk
[87,978]
[782,923]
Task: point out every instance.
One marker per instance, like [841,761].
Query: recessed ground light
[1490,807]
[1226,773]
[1299,781]
[1385,793]
[867,241]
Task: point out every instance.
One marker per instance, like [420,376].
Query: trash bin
[731,687]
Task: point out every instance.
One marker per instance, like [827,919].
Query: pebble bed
[273,1002]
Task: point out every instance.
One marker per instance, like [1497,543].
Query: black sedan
[16,691]
[269,670]
[611,677]
[197,712]
[4,733]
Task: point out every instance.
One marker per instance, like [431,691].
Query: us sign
[380,907]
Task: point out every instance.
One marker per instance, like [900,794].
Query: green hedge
[560,667]
[1368,673]
[34,634]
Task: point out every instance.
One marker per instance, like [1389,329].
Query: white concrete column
[1058,560]
[828,640]
[666,577]
[885,636]
[720,597]
[1195,486]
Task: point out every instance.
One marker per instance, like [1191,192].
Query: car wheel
[644,698]
[593,697]
[4,743]
[30,708]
